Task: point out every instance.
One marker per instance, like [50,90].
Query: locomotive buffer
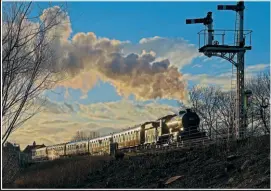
[228,52]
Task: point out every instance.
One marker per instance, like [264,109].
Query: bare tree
[225,112]
[84,135]
[204,101]
[215,106]
[28,65]
[259,108]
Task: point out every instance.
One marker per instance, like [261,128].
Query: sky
[133,21]
[104,97]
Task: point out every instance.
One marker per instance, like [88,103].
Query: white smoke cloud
[148,70]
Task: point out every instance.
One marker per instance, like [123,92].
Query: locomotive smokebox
[190,120]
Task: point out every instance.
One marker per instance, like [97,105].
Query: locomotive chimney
[188,110]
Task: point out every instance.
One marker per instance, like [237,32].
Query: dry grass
[61,173]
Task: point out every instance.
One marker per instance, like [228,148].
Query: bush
[60,173]
[10,166]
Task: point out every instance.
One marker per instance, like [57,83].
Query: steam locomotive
[166,130]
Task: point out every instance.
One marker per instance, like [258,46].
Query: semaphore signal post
[234,53]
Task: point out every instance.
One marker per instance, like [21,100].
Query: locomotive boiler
[181,126]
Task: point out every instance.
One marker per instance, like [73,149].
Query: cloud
[208,59]
[57,123]
[148,70]
[177,50]
[257,68]
[205,80]
[197,66]
[214,58]
[223,79]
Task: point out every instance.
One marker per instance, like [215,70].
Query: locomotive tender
[166,130]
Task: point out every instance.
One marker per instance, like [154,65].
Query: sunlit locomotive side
[182,126]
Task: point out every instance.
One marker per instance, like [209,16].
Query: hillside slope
[246,165]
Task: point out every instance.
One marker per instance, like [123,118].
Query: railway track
[183,145]
[155,149]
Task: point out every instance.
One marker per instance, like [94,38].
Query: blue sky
[132,21]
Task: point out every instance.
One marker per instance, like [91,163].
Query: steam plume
[86,58]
